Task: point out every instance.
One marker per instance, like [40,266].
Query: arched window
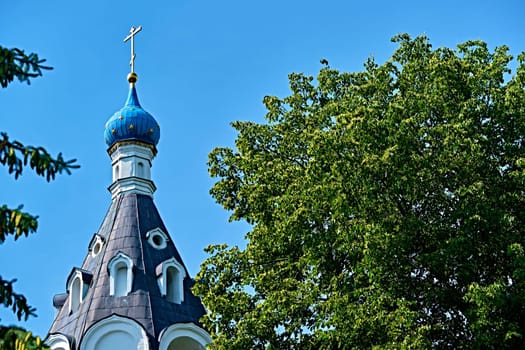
[120,275]
[170,277]
[121,280]
[75,294]
[77,287]
[183,336]
[140,169]
[115,332]
[115,172]
[172,287]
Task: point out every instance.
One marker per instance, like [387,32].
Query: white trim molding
[131,162]
[57,342]
[77,287]
[95,246]
[111,331]
[180,331]
[157,238]
[170,278]
[115,264]
[132,159]
[132,185]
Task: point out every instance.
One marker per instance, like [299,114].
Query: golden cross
[132,32]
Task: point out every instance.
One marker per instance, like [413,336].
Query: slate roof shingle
[128,219]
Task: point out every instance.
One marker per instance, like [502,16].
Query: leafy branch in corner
[16,156]
[17,338]
[14,63]
[16,222]
[17,302]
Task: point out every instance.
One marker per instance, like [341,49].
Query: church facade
[132,290]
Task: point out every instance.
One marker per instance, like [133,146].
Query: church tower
[132,291]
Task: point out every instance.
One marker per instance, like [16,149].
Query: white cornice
[132,185]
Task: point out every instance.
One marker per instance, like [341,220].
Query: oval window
[157,240]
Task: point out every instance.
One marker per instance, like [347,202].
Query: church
[132,291]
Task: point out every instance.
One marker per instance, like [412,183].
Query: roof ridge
[144,263]
[84,321]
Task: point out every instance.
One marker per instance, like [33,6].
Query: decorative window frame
[162,275]
[116,172]
[183,330]
[57,341]
[140,172]
[113,265]
[157,232]
[96,241]
[111,324]
[129,157]
[125,156]
[84,278]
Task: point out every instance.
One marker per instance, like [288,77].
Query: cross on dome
[132,32]
[132,122]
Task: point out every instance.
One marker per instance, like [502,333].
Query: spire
[133,290]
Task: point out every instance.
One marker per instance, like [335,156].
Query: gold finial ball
[132,78]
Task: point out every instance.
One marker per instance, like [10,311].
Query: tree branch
[16,222]
[17,302]
[16,156]
[14,63]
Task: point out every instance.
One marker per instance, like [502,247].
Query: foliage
[14,63]
[16,338]
[387,208]
[16,156]
[17,302]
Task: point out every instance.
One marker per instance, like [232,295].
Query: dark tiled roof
[124,229]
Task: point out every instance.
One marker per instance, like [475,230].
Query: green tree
[14,63]
[387,208]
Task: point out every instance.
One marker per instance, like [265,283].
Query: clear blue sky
[201,65]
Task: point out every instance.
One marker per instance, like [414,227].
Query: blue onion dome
[132,122]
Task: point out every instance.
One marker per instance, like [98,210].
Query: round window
[96,248]
[157,239]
